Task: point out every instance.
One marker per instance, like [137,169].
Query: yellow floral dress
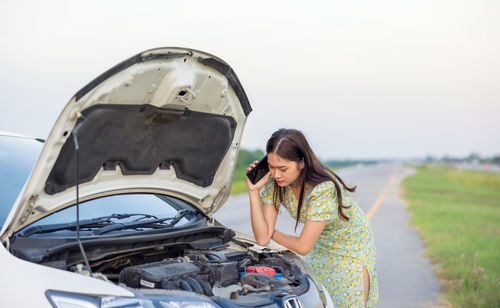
[343,248]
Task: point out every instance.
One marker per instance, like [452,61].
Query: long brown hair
[292,145]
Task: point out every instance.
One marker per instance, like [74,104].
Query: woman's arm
[320,210]
[304,243]
[263,219]
[263,216]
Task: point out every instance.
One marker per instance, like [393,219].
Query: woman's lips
[280,182]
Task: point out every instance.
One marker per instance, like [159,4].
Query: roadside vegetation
[245,157]
[458,215]
[472,158]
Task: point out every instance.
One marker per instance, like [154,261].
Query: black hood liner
[141,138]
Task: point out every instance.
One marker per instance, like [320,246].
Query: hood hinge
[29,209]
[6,242]
[219,199]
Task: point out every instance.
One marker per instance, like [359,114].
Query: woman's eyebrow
[277,166]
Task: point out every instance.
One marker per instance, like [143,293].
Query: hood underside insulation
[141,139]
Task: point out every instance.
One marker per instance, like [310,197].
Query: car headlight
[60,299]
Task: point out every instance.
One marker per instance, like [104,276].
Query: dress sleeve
[266,193]
[322,203]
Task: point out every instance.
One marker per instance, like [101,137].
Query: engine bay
[226,274]
[207,261]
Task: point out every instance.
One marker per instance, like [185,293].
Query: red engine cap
[261,269]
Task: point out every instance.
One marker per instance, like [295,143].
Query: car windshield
[18,155]
[122,209]
[17,158]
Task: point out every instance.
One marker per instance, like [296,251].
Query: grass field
[239,181]
[458,215]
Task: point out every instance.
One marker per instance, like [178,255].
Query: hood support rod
[77,146]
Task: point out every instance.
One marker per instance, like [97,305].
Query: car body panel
[26,283]
[17,157]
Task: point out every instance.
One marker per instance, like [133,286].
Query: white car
[115,208]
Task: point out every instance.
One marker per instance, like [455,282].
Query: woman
[336,239]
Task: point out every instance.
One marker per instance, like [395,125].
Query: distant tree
[245,157]
[449,159]
[496,159]
[472,157]
[339,163]
[347,162]
[430,159]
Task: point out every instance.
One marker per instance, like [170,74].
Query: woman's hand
[263,216]
[304,243]
[260,183]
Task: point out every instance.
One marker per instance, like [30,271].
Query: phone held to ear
[259,171]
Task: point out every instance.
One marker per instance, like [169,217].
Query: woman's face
[284,171]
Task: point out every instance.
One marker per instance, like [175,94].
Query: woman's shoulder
[326,187]
[322,203]
[329,187]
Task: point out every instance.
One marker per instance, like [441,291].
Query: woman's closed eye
[281,169]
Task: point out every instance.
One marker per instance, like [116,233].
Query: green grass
[458,215]
[239,181]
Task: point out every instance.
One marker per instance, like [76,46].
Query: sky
[361,79]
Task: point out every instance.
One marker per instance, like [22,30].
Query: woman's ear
[301,164]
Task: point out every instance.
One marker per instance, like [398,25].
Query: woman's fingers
[259,184]
[252,165]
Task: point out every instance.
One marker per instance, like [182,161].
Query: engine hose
[207,288]
[195,285]
[169,285]
[185,286]
[215,256]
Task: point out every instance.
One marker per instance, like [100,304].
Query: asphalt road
[406,276]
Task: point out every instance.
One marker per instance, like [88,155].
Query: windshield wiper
[144,223]
[72,225]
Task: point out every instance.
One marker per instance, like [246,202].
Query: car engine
[211,273]
[207,261]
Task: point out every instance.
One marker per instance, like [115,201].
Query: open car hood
[168,121]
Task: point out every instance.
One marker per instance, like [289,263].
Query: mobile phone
[259,171]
